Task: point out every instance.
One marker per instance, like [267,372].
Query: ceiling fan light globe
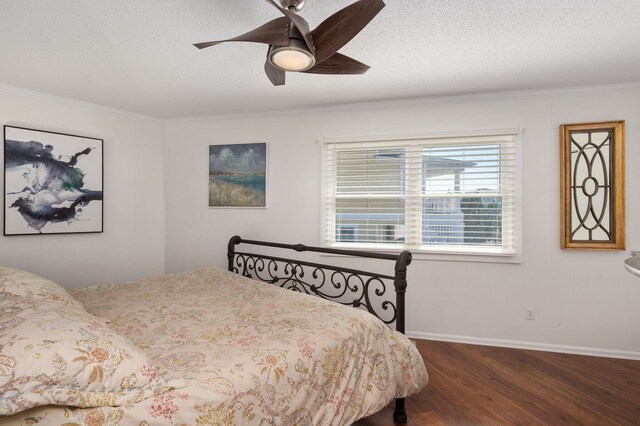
[292,60]
[294,57]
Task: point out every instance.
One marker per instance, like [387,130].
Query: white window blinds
[454,193]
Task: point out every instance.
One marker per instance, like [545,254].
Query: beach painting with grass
[238,175]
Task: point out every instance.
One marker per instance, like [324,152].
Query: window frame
[447,253]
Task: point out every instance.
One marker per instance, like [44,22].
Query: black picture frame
[53,182]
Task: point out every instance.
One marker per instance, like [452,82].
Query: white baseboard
[578,350]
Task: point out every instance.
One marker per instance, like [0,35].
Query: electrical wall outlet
[529,313]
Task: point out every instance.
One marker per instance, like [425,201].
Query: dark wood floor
[483,385]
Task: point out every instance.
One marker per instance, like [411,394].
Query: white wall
[581,298]
[132,244]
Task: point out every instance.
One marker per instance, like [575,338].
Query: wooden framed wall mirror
[592,186]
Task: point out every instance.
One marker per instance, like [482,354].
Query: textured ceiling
[138,55]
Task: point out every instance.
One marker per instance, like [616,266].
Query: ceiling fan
[294,47]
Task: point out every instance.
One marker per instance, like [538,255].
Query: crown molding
[403,102]
[14,90]
[368,105]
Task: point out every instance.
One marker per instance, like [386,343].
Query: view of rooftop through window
[461,189]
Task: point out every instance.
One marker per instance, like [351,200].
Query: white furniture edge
[632,264]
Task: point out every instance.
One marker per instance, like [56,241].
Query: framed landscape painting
[52,182]
[238,175]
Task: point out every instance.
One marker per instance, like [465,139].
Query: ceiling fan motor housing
[296,5]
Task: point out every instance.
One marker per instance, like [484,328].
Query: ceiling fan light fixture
[294,57]
[293,46]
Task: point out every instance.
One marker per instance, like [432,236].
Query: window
[449,194]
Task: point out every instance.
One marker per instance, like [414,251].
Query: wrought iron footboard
[353,287]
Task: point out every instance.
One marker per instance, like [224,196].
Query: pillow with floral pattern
[51,353]
[23,283]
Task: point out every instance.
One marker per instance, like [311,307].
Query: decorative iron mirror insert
[592,186]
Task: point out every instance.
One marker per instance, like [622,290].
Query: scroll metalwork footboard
[353,287]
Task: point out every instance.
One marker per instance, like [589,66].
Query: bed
[210,346]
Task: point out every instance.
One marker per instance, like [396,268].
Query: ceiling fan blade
[275,33]
[300,23]
[339,64]
[275,74]
[338,29]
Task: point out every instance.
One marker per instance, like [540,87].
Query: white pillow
[23,283]
[55,353]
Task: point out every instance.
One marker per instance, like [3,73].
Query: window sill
[441,254]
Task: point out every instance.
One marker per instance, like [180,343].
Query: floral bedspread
[251,354]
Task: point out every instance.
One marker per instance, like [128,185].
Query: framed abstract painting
[238,175]
[53,182]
